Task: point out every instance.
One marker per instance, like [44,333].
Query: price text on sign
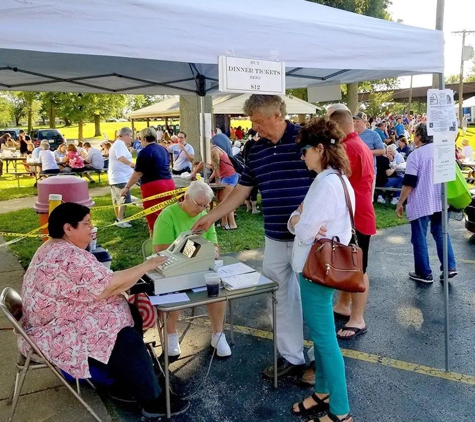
[251,76]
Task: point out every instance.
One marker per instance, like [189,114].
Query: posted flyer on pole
[442,126]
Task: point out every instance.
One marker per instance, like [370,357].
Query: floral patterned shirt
[60,310]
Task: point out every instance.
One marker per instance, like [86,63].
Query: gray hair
[198,187]
[334,107]
[125,131]
[148,134]
[44,144]
[266,104]
[391,147]
[421,130]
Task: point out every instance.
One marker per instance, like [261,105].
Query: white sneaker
[381,200]
[394,201]
[124,225]
[173,345]
[218,341]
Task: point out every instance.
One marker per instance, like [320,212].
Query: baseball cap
[360,116]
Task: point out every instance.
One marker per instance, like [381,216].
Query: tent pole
[445,260]
[203,145]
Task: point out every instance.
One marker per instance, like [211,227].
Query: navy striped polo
[281,177]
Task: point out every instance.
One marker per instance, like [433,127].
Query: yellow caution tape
[149,198]
[23,236]
[177,194]
[148,211]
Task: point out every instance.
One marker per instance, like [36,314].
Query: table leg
[231,320]
[165,355]
[274,333]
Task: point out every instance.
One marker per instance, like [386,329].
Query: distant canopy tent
[222,104]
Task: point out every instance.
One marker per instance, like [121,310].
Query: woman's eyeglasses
[198,205]
[304,150]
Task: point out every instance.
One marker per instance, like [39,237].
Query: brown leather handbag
[333,264]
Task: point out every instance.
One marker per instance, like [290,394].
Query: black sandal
[321,406]
[335,418]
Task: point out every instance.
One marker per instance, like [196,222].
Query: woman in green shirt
[174,220]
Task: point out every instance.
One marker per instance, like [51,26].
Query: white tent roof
[469,102]
[172,46]
[222,104]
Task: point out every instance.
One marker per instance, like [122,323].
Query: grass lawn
[125,244]
[71,132]
[9,186]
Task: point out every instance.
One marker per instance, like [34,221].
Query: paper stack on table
[240,276]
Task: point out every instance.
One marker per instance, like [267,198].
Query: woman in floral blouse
[73,308]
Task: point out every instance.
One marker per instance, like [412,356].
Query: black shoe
[428,279]
[451,274]
[284,367]
[158,408]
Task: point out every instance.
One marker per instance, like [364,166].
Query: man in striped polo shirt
[274,165]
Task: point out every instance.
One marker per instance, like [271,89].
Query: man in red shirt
[361,179]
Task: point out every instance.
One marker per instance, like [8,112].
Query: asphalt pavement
[395,372]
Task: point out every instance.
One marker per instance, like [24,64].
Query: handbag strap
[350,208]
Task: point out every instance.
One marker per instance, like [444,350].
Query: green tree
[32,105]
[378,103]
[374,8]
[106,105]
[5,112]
[17,105]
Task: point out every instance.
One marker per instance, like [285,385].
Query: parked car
[53,136]
[13,133]
[122,120]
[112,119]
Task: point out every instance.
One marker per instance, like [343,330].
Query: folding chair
[12,306]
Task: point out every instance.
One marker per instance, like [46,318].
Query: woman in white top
[48,162]
[324,206]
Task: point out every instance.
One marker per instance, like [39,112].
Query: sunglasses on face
[304,150]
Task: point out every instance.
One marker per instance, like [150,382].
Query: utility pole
[410,98]
[464,56]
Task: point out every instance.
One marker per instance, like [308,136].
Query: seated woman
[75,311]
[74,159]
[323,206]
[60,155]
[174,220]
[386,176]
[48,163]
[224,174]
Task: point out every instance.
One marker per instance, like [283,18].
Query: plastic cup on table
[212,284]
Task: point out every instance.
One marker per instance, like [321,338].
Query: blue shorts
[230,180]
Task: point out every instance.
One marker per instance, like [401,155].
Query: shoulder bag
[333,264]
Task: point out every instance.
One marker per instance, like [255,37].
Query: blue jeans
[394,182]
[330,377]
[419,243]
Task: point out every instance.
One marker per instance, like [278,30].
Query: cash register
[189,258]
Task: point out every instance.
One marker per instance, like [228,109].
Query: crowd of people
[302,173]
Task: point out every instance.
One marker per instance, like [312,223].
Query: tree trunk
[67,122]
[30,120]
[80,131]
[97,125]
[52,117]
[352,94]
[43,120]
[17,120]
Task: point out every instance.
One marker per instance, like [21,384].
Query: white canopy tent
[222,104]
[172,47]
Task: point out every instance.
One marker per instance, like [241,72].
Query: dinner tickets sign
[237,75]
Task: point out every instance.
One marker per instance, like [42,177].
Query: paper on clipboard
[234,269]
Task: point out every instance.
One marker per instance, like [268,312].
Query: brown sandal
[321,406]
